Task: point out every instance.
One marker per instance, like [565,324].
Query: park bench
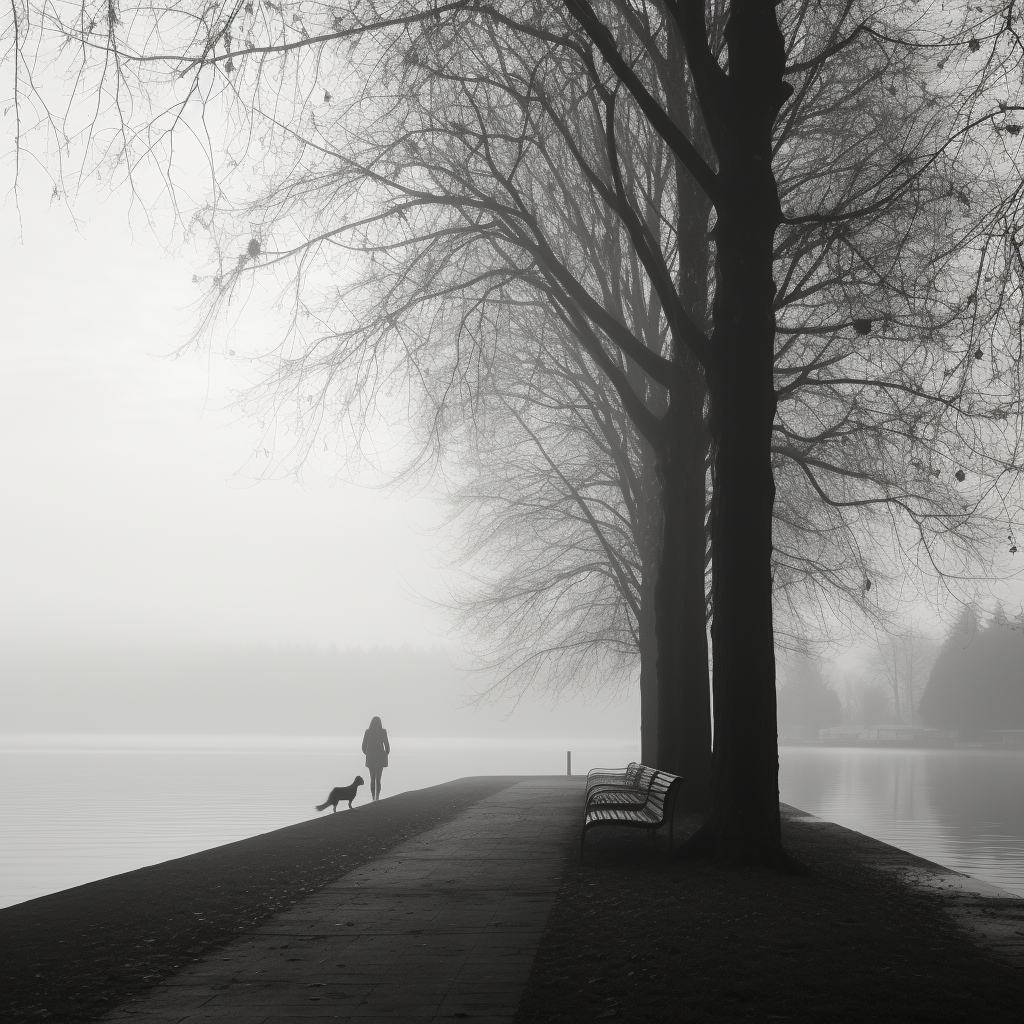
[630,791]
[647,802]
[611,777]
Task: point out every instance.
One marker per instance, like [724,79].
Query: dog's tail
[320,807]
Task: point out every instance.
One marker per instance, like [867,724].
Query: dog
[340,793]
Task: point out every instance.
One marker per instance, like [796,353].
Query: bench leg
[583,835]
[672,822]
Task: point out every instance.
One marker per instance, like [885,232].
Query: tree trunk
[684,711]
[744,819]
[683,678]
[740,112]
[647,631]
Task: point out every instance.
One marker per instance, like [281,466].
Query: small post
[568,762]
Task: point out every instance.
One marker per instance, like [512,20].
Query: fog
[155,581]
[159,574]
[135,507]
[283,691]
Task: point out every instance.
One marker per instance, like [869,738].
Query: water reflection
[960,808]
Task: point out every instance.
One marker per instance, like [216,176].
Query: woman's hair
[375,725]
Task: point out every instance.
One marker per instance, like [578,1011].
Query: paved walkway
[444,926]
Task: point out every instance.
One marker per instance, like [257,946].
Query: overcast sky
[131,509]
[133,517]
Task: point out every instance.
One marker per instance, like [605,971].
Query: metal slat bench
[612,777]
[649,808]
[631,793]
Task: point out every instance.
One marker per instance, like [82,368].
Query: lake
[74,809]
[962,808]
[77,808]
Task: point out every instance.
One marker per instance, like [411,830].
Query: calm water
[74,809]
[960,808]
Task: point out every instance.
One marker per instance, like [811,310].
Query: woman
[376,748]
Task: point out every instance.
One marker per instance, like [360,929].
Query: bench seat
[642,816]
[618,798]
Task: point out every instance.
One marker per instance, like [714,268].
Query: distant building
[1005,737]
[889,735]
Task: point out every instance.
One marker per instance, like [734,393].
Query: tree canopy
[805,216]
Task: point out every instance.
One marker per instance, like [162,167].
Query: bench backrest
[652,784]
[623,775]
[641,784]
[661,787]
[644,777]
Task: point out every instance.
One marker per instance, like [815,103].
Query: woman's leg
[380,772]
[374,782]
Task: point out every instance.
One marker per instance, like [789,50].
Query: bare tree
[556,512]
[902,664]
[842,450]
[458,123]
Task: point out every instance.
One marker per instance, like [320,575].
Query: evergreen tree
[978,680]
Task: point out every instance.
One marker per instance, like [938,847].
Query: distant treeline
[297,690]
[274,691]
[977,682]
[806,703]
